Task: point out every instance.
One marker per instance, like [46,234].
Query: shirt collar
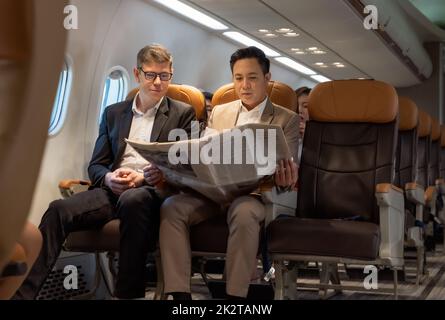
[259,108]
[151,111]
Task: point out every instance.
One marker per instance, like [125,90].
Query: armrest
[430,194]
[415,193]
[430,199]
[68,187]
[390,200]
[17,264]
[440,184]
[388,194]
[277,203]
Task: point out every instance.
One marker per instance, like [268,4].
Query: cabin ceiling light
[291,34]
[263,30]
[284,30]
[312,49]
[318,52]
[319,63]
[320,78]
[271,35]
[241,38]
[295,65]
[193,14]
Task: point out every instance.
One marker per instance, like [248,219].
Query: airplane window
[60,103]
[115,88]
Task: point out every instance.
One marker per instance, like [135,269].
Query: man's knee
[246,210]
[134,197]
[56,212]
[171,209]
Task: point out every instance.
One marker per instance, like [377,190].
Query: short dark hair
[251,52]
[302,91]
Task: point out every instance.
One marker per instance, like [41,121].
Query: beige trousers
[181,211]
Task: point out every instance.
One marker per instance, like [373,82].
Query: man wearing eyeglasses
[119,189]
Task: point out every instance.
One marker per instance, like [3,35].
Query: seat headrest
[408,114]
[435,130]
[278,92]
[442,136]
[183,93]
[425,124]
[353,101]
[132,93]
[189,95]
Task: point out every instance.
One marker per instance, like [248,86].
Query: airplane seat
[434,195]
[107,238]
[423,147]
[406,153]
[425,175]
[278,92]
[442,151]
[349,142]
[435,153]
[24,254]
[441,182]
[26,61]
[405,178]
[184,93]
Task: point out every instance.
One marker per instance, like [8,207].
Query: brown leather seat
[32,45]
[211,235]
[406,154]
[347,158]
[434,166]
[442,151]
[104,239]
[352,239]
[423,148]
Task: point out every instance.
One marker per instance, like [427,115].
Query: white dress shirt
[250,116]
[141,127]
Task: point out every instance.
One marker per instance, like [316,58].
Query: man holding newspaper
[250,70]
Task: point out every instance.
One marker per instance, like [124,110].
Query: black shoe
[229,297]
[181,295]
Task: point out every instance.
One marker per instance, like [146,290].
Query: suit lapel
[160,119]
[267,115]
[124,129]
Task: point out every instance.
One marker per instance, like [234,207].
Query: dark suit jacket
[115,127]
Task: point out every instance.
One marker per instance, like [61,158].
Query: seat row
[367,156]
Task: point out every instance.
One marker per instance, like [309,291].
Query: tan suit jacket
[225,116]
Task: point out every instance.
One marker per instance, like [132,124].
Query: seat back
[32,44]
[278,92]
[406,153]
[423,148]
[183,93]
[434,164]
[349,147]
[442,151]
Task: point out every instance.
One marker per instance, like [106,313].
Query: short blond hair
[153,53]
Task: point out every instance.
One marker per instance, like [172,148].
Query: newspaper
[222,165]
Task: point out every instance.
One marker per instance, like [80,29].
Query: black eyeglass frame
[154,75]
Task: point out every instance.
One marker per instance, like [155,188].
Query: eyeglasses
[151,76]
